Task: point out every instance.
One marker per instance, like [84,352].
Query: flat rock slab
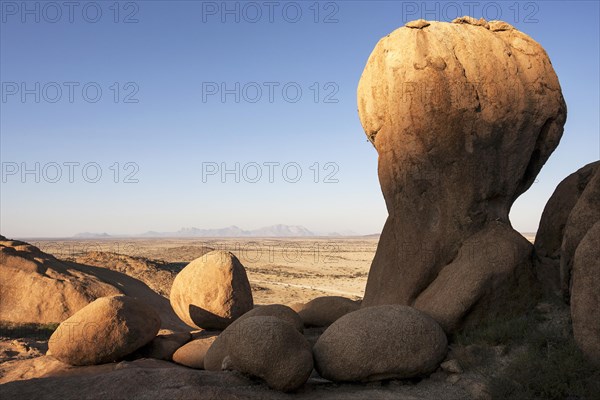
[155,379]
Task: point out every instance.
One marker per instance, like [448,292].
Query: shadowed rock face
[582,218]
[554,222]
[463,116]
[585,296]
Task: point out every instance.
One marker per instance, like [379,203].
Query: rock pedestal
[463,116]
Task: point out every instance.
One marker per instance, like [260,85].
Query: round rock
[104,331]
[265,347]
[381,342]
[212,291]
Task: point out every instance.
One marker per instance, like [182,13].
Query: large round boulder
[380,342]
[106,330]
[325,310]
[585,294]
[212,291]
[463,116]
[265,347]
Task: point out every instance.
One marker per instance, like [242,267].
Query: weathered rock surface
[491,269]
[57,289]
[583,216]
[265,347]
[463,116]
[54,289]
[585,294]
[212,291]
[381,342]
[549,236]
[280,311]
[325,310]
[106,330]
[192,354]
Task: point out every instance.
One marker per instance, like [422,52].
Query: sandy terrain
[281,270]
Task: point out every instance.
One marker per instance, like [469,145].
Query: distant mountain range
[231,231]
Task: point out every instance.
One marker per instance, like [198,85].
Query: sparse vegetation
[549,368]
[544,363]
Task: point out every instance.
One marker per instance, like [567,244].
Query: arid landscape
[447,301]
[281,270]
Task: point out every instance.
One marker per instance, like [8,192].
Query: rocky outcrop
[463,116]
[381,342]
[212,291]
[56,289]
[36,287]
[106,330]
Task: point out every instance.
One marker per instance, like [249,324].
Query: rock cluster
[463,116]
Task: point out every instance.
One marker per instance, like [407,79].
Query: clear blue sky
[168,61]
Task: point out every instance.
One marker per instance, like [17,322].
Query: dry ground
[281,270]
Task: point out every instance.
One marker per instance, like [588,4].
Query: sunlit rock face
[463,116]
